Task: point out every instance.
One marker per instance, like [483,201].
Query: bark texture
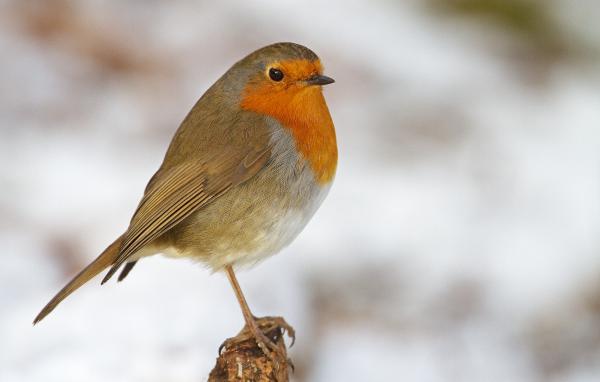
[240,359]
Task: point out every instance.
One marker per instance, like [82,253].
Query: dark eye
[276,74]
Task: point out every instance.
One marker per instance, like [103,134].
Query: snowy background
[460,241]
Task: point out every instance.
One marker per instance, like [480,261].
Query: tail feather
[126,269]
[103,261]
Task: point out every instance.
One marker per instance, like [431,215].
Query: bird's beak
[319,80]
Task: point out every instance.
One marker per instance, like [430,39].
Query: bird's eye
[276,74]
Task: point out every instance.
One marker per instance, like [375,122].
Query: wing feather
[176,193]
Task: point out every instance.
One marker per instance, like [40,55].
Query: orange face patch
[300,108]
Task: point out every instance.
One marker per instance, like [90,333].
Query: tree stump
[240,358]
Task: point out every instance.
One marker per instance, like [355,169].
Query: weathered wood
[240,358]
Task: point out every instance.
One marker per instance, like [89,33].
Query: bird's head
[281,80]
[284,81]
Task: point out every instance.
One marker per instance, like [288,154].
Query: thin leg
[248,317]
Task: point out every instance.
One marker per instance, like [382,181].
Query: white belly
[282,229]
[278,231]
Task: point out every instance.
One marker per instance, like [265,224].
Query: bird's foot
[267,332]
[267,324]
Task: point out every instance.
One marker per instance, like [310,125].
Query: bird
[244,173]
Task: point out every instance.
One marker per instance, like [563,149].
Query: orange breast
[301,109]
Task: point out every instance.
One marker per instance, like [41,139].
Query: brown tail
[103,261]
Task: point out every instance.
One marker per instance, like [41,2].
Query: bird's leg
[257,327]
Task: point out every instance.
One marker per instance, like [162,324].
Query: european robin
[246,170]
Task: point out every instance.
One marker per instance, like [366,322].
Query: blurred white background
[459,242]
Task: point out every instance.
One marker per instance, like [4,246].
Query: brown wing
[176,193]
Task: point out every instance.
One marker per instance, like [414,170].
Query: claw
[279,322]
[266,344]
